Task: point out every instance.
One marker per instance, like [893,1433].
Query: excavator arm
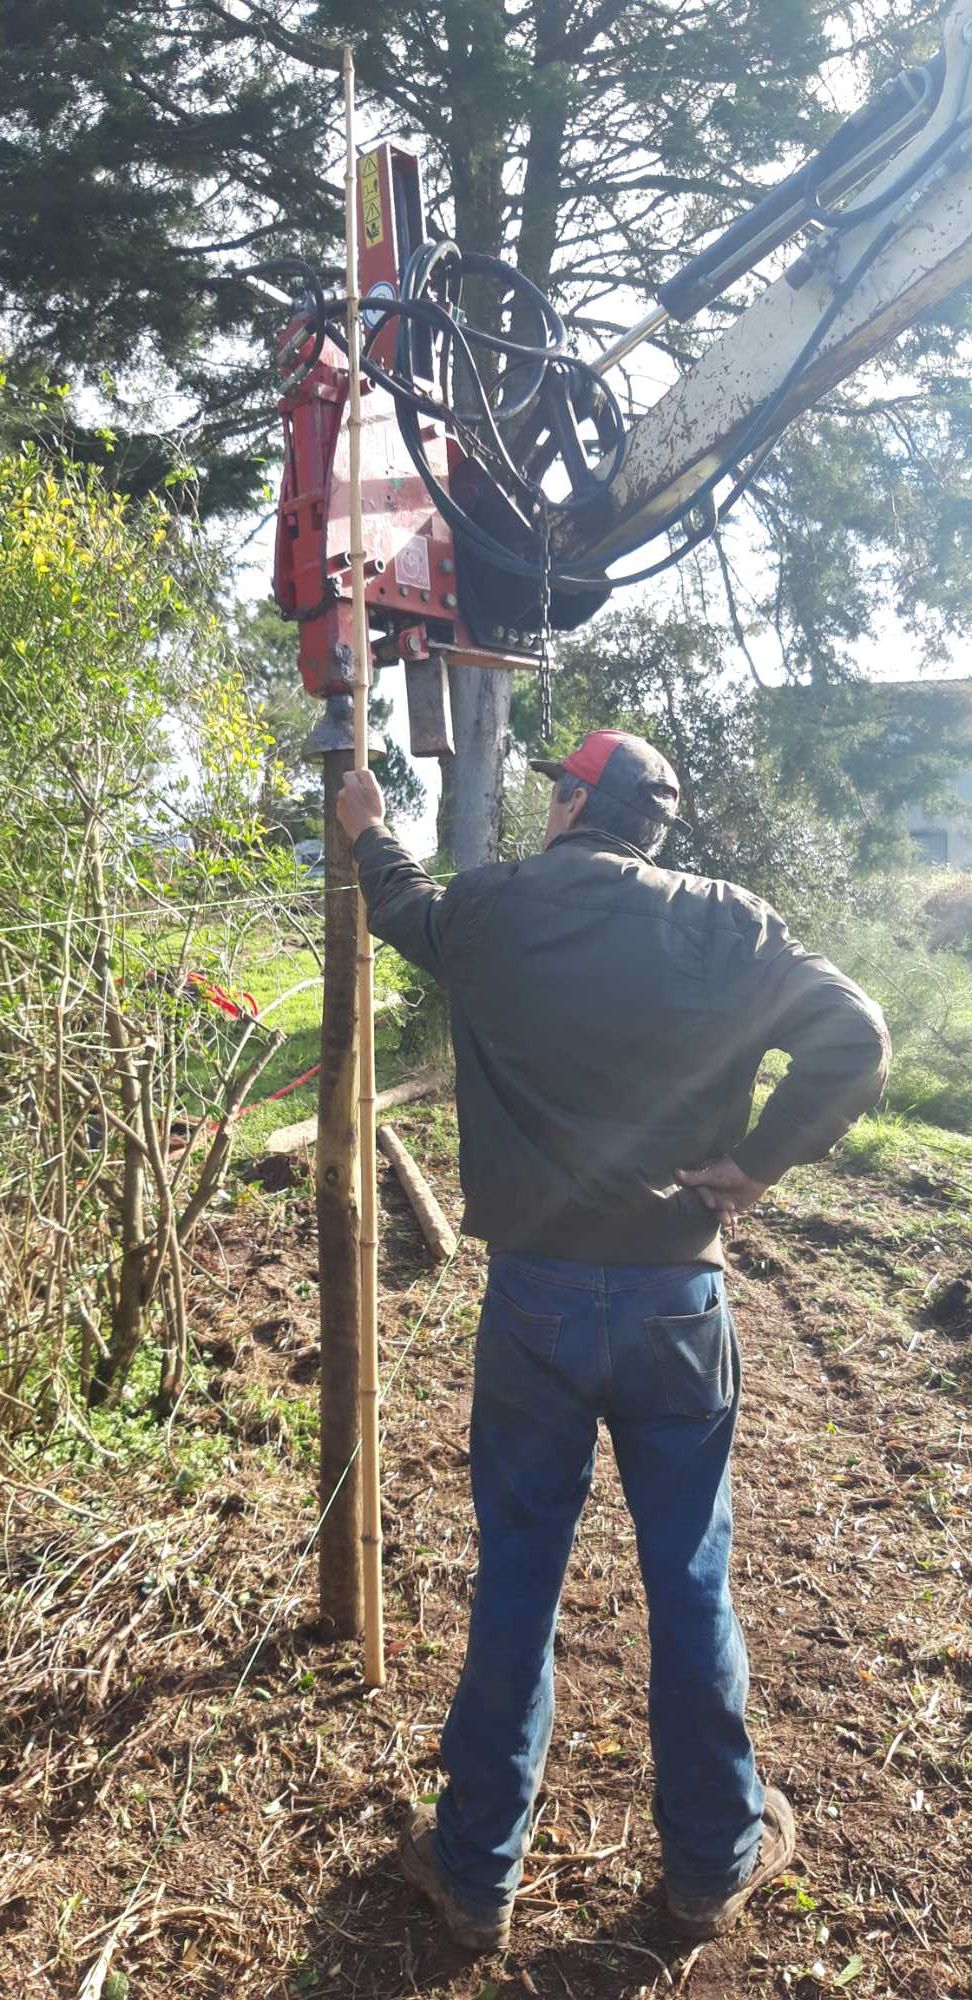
[501,485]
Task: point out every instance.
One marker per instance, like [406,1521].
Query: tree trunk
[540,208]
[482,113]
[472,780]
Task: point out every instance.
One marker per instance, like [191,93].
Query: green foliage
[948,907]
[109,215]
[267,650]
[864,509]
[290,790]
[867,751]
[886,939]
[638,130]
[662,676]
[128,758]
[878,1144]
[403,790]
[790,791]
[131,1438]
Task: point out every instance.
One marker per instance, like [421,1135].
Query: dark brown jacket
[609,1018]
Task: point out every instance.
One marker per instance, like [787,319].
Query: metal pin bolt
[413,643]
[450,600]
[447,565]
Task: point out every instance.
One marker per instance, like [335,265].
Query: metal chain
[543,670]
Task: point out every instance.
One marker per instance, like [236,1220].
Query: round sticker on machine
[373,301]
[412,563]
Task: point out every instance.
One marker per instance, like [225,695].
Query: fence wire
[207,1743]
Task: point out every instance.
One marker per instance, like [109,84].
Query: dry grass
[197,1792]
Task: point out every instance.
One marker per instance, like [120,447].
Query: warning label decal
[374,227]
[412,563]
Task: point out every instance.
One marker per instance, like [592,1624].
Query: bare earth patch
[197,1793]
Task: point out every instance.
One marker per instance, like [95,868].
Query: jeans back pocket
[693,1352]
[537,1332]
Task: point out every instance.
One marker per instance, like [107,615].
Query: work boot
[423,1871]
[709,1916]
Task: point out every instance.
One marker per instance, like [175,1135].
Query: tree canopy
[786,788]
[149,153]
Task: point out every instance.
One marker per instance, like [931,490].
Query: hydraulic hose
[554,378]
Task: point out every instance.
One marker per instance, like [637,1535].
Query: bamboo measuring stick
[374,1637]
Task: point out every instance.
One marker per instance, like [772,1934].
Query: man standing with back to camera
[609,1017]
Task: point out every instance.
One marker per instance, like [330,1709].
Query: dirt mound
[949,1304]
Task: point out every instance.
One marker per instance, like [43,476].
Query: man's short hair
[611,815]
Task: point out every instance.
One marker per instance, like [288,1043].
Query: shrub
[949,910]
[885,937]
[122,726]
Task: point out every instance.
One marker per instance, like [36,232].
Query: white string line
[202,910]
[217,1723]
[419,1323]
[342,1476]
[161,911]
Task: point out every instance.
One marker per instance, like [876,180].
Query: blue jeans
[653,1351]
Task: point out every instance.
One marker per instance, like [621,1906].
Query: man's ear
[575,806]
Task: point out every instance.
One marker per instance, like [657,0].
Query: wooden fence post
[338,1229]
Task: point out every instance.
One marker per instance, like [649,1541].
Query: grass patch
[130,1438]
[433,1124]
[889,1143]
[284,979]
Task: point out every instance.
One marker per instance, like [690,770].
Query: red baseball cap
[626,768]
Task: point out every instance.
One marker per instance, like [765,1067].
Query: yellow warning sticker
[374,227]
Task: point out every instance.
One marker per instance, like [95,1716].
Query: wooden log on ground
[429,1083]
[434,1225]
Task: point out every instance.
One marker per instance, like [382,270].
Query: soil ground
[197,1792]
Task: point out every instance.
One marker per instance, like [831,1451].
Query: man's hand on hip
[723,1187]
[360,803]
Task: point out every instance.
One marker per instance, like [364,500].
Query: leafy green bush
[664,677]
[949,912]
[127,764]
[886,937]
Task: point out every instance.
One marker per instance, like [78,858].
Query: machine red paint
[410,561]
[501,482]
[391,224]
